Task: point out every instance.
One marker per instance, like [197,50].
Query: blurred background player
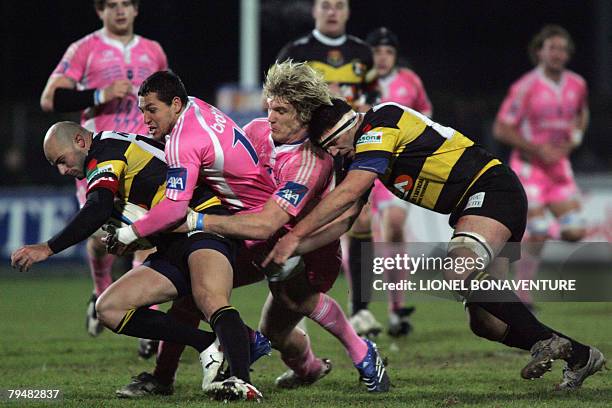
[344,61]
[99,75]
[543,119]
[392,83]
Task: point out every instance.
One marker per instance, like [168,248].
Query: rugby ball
[126,213]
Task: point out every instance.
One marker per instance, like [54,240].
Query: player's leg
[212,280]
[362,319]
[479,237]
[481,232]
[393,214]
[123,306]
[527,267]
[571,221]
[279,325]
[146,347]
[161,381]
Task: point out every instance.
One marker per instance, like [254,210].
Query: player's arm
[509,134]
[356,183]
[261,225]
[60,94]
[582,123]
[96,211]
[332,231]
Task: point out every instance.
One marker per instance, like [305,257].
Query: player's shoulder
[88,41]
[526,82]
[295,48]
[575,78]
[149,43]
[358,42]
[408,75]
[384,115]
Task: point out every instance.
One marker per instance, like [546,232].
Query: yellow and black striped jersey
[418,160]
[134,168]
[344,61]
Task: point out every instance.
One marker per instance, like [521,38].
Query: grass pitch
[43,345]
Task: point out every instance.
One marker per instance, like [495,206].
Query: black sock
[234,338]
[359,282]
[524,329]
[155,325]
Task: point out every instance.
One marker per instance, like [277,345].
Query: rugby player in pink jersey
[543,118]
[389,213]
[303,174]
[99,75]
[204,147]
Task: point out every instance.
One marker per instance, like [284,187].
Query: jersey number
[239,137]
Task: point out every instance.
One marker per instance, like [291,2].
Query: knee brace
[475,243]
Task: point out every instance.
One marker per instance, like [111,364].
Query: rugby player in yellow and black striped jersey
[342,59]
[437,167]
[121,166]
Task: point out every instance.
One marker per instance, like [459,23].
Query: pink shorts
[322,266]
[545,185]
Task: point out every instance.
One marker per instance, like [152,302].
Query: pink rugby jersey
[544,111]
[96,60]
[207,147]
[302,174]
[403,86]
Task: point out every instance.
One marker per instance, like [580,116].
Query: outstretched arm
[356,183]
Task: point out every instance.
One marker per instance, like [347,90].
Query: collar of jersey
[118,44]
[332,42]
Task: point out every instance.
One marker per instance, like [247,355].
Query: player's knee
[466,246]
[485,325]
[104,311]
[572,226]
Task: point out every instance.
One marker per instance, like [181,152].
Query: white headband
[346,123]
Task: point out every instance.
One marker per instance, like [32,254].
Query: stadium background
[467,54]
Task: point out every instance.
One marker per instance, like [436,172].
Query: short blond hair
[298,84]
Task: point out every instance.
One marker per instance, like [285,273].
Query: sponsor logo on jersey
[358,68]
[403,183]
[293,193]
[176,179]
[372,137]
[335,58]
[475,201]
[91,174]
[144,58]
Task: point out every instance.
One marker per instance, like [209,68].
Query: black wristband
[71,100]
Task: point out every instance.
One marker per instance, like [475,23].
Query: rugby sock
[526,269]
[305,364]
[330,316]
[507,307]
[234,338]
[169,354]
[101,272]
[359,281]
[153,324]
[524,329]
